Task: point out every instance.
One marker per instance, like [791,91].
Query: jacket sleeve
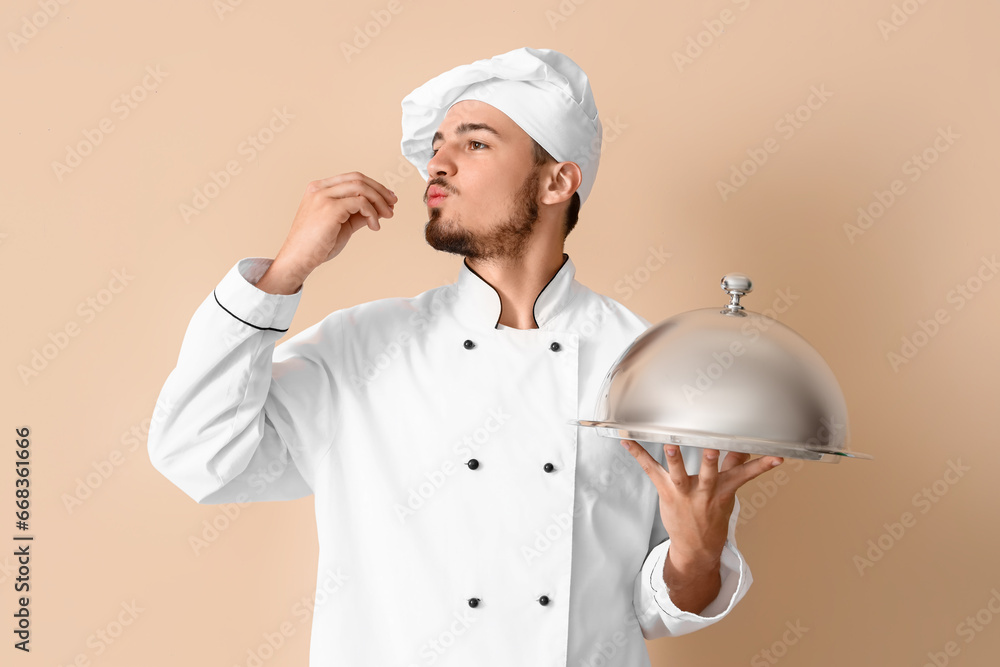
[229,423]
[658,615]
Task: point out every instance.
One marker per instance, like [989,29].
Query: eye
[471,141]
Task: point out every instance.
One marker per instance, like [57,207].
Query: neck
[519,281]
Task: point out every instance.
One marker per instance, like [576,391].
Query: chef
[465,519]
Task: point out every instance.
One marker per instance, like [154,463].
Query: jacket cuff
[736,579]
[238,295]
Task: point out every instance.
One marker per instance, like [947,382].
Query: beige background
[679,131]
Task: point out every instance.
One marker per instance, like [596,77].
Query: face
[484,164]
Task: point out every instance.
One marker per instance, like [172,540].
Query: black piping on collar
[565,257]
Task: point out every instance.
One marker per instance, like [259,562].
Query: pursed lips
[435,195]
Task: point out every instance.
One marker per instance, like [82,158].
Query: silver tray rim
[652,433]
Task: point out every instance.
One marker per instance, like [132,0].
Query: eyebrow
[465,128]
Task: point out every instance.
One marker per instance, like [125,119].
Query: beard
[508,240]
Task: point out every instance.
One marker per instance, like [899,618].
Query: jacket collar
[477,303]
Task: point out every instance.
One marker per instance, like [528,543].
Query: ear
[563,179]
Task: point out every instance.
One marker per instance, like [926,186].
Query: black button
[469,345]
[473,602]
[555,347]
[544,600]
[549,467]
[473,464]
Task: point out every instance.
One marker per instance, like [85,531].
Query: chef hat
[542,90]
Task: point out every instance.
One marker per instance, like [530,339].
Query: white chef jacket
[465,520]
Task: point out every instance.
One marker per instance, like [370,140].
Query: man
[465,519]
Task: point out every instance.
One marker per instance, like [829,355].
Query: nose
[441,163]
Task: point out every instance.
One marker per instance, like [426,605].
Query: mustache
[441,184]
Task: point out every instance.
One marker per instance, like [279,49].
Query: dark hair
[573,212]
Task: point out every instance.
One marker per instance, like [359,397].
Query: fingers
[709,472]
[386,193]
[356,183]
[740,475]
[675,467]
[650,465]
[359,189]
[733,459]
[363,207]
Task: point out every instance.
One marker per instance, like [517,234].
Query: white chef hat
[542,90]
